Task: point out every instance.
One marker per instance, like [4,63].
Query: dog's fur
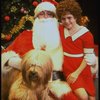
[7,80]
[32,83]
[8,74]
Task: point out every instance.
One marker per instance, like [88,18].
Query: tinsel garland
[18,27]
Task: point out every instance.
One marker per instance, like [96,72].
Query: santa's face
[46,33]
[45,14]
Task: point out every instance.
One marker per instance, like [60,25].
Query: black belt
[58,75]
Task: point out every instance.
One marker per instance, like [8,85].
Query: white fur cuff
[6,56]
[59,88]
[86,50]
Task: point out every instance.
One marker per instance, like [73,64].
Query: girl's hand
[72,77]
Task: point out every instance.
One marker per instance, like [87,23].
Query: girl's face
[69,21]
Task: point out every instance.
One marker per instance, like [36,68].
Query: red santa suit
[74,48]
[22,44]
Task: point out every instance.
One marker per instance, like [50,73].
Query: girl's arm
[73,76]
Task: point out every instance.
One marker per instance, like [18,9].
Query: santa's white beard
[46,34]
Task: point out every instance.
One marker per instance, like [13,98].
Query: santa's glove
[59,88]
[90,59]
[10,60]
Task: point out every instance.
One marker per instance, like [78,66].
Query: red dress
[73,45]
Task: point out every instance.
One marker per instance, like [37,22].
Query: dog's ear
[24,75]
[47,69]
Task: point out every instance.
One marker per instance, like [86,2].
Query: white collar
[82,31]
[66,33]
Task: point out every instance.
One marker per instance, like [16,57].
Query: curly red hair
[72,7]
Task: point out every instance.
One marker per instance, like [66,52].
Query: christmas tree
[16,15]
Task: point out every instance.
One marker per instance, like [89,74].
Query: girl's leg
[81,94]
[92,98]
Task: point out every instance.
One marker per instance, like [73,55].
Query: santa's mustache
[45,21]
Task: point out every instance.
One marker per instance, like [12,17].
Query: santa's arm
[12,46]
[10,56]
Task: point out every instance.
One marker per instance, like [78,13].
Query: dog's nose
[33,75]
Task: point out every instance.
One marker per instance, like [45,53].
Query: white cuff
[64,88]
[15,62]
[5,57]
[86,50]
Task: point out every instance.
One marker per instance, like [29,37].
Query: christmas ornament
[22,9]
[35,3]
[16,28]
[8,37]
[7,18]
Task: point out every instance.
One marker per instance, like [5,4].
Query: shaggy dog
[8,74]
[32,83]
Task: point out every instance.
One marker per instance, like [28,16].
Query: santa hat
[48,5]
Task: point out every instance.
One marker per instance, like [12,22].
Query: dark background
[91,9]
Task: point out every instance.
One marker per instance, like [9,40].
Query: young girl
[77,41]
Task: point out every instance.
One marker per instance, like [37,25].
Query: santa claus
[45,36]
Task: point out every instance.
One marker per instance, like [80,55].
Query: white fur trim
[5,57]
[45,6]
[57,58]
[82,31]
[86,50]
[59,88]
